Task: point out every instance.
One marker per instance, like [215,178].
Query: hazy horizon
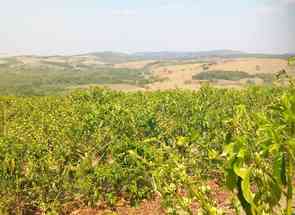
[71,27]
[130,53]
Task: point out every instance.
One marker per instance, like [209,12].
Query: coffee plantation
[97,145]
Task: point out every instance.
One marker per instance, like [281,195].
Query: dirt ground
[154,207]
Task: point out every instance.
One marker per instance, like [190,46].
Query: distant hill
[117,57]
[109,57]
[187,55]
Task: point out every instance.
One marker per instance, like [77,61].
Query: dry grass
[175,76]
[133,64]
[180,76]
[37,61]
[249,65]
[163,70]
[28,60]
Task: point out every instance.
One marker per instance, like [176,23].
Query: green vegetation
[221,75]
[100,146]
[266,77]
[49,78]
[291,61]
[232,76]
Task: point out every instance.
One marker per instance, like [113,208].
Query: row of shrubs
[231,76]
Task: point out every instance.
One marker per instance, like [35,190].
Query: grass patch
[232,76]
[222,75]
[51,79]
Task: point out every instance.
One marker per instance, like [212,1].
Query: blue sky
[75,26]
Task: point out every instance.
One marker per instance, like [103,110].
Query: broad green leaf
[277,168]
[241,171]
[246,188]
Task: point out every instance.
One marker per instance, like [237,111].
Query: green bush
[221,75]
[99,146]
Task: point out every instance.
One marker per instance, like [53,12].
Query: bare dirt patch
[221,196]
[151,207]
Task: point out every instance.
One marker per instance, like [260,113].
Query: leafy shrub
[99,146]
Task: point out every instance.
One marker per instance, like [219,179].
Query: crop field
[95,151]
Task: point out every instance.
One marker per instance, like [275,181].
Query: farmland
[147,107]
[48,75]
[95,151]
[106,133]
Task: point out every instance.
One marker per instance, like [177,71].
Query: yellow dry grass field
[86,60]
[252,65]
[90,62]
[55,60]
[36,61]
[28,60]
[163,70]
[175,76]
[180,76]
[133,65]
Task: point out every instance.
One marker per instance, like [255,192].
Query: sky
[75,26]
